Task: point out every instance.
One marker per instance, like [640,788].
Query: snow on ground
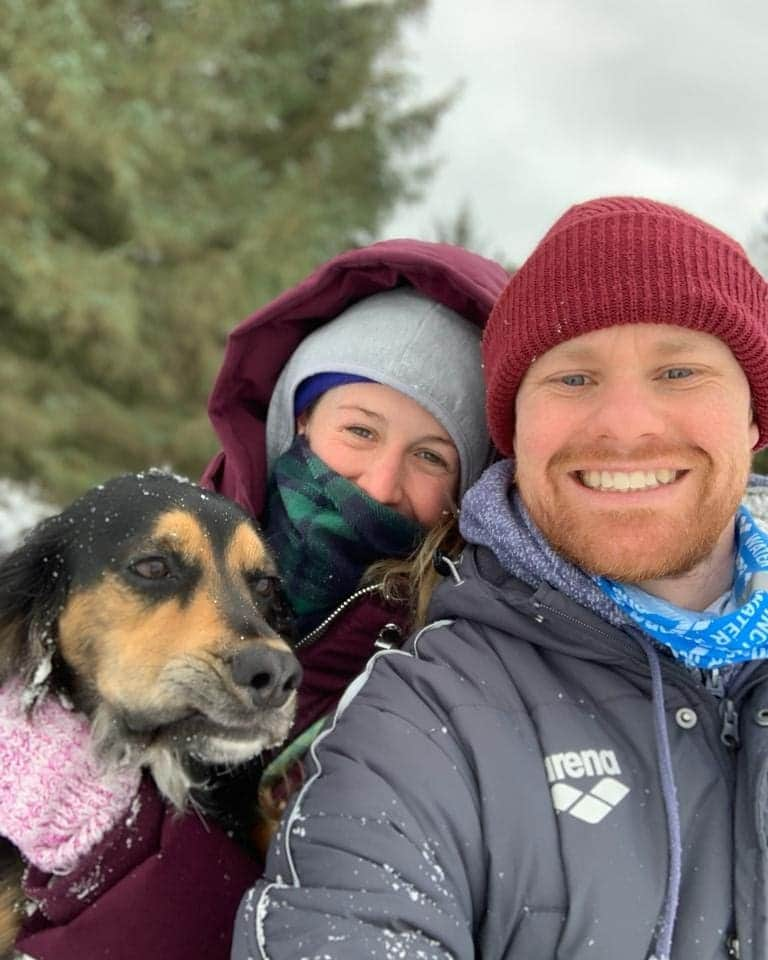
[21,507]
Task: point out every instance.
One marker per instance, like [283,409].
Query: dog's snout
[269,675]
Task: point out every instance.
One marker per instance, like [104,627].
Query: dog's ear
[33,588]
[281,617]
[11,869]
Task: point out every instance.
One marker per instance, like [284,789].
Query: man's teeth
[621,482]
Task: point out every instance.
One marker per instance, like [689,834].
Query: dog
[152,607]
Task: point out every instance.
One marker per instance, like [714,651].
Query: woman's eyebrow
[357,409]
[428,438]
[436,438]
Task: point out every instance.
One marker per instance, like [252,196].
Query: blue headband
[315,386]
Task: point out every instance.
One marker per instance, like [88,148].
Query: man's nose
[627,411]
[382,479]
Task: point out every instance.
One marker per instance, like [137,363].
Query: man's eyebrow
[676,346]
[671,347]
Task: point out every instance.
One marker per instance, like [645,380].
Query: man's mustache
[680,456]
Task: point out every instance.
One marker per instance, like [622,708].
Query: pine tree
[461,230]
[165,168]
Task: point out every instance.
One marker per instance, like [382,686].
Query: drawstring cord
[669,794]
[445,567]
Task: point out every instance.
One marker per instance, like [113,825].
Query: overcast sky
[564,100]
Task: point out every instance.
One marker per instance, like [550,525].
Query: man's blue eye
[678,373]
[574,379]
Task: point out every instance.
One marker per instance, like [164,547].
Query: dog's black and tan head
[154,605]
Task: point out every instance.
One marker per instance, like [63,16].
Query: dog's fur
[152,605]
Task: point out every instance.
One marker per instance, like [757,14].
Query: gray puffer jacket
[514,787]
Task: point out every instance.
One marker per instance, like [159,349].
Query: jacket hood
[490,598]
[258,349]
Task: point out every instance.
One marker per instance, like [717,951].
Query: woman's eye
[677,373]
[429,456]
[362,432]
[151,568]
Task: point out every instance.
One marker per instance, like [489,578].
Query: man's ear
[754,429]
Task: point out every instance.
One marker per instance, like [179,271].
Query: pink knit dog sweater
[56,801]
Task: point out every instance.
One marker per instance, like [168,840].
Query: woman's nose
[382,479]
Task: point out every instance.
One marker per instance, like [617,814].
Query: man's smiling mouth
[619,481]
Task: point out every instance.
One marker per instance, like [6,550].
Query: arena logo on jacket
[591,804]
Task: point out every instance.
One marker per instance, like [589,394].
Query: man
[572,760]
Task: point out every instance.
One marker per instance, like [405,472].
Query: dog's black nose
[269,675]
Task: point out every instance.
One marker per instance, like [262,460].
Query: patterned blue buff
[706,640]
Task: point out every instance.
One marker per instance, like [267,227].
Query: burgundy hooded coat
[166,887]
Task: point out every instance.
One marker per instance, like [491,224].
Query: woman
[404,314]
[394,342]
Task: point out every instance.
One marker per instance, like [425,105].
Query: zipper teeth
[679,670]
[681,673]
[314,634]
[628,641]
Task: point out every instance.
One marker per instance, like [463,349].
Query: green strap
[295,750]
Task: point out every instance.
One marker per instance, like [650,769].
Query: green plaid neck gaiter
[325,531]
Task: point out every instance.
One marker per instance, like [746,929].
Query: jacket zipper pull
[714,682]
[729,731]
[729,715]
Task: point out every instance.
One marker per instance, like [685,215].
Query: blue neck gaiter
[703,638]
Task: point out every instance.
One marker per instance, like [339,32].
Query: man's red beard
[638,543]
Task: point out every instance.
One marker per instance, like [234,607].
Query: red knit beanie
[625,260]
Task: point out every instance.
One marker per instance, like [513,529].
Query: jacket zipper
[729,715]
[632,647]
[712,681]
[727,709]
[322,627]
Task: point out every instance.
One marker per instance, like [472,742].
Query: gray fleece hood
[407,341]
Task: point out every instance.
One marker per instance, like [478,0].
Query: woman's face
[388,445]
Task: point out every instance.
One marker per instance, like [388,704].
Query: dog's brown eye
[262,586]
[153,568]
